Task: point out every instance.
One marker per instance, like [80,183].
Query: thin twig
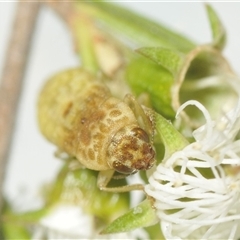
[11,82]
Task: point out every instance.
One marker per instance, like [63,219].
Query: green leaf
[173,140]
[139,30]
[170,59]
[16,225]
[145,76]
[142,215]
[15,231]
[218,31]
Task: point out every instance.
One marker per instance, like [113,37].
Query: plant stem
[83,35]
[12,76]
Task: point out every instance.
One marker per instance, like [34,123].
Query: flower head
[196,191]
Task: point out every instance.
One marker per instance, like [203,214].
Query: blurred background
[31,161]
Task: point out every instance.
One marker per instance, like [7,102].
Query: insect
[78,114]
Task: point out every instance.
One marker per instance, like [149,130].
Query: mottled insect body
[78,114]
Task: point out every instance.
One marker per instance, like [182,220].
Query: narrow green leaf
[142,215]
[170,59]
[84,43]
[15,231]
[141,31]
[218,31]
[171,138]
[16,225]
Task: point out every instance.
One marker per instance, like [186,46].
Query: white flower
[197,189]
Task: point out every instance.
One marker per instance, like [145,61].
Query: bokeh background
[32,160]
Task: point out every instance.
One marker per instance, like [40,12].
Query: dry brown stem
[12,76]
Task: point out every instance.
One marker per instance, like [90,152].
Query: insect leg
[104,178]
[141,116]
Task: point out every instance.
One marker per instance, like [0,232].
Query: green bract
[218,31]
[142,215]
